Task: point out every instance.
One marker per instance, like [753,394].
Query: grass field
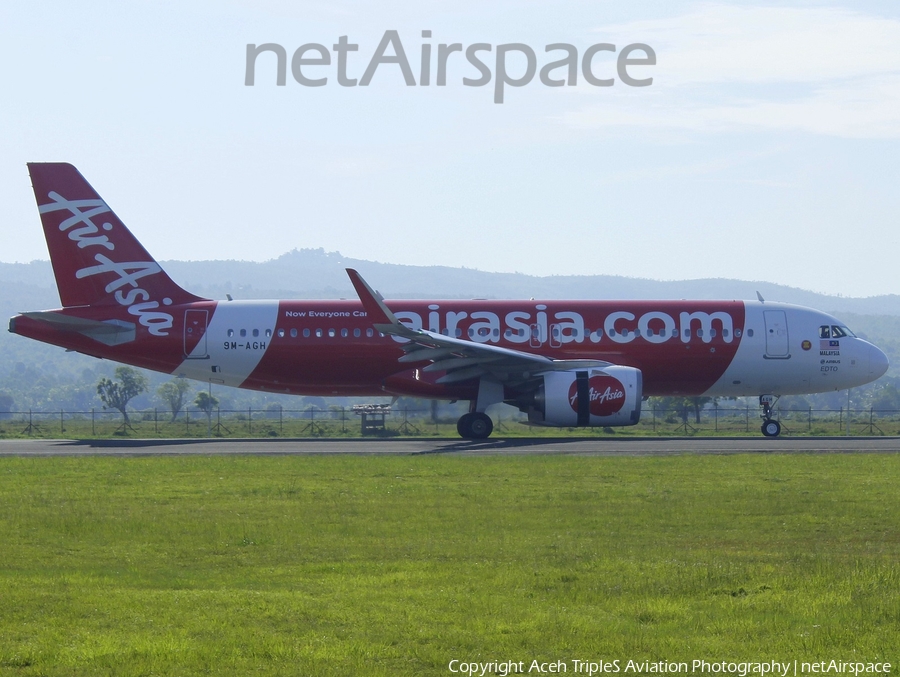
[397,565]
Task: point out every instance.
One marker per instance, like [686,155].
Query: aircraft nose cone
[878,362]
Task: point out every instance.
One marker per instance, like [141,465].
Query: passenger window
[281,333]
[725,333]
[306,333]
[712,333]
[356,333]
[750,333]
[255,333]
[370,332]
[824,331]
[268,333]
[737,333]
[231,332]
[318,333]
[687,333]
[458,332]
[612,332]
[344,333]
[243,332]
[294,332]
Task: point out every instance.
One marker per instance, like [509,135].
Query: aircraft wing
[461,359]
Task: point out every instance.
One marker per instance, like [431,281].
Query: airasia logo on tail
[134,298]
[606,395]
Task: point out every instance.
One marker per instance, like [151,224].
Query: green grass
[396,565]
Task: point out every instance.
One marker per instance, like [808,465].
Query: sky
[766,147]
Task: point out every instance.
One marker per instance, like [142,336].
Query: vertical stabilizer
[95,258]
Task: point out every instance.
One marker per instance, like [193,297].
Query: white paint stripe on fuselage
[231,359]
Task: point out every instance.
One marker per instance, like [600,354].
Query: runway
[635,446]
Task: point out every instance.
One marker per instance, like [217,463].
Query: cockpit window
[834,331]
[838,332]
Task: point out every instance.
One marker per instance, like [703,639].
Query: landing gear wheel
[464,426]
[477,426]
[771,428]
[481,426]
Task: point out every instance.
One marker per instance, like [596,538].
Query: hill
[315,273]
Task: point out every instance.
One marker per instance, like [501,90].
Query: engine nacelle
[610,396]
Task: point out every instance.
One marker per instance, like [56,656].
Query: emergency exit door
[776,334]
[195,334]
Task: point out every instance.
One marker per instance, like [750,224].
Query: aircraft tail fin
[95,258]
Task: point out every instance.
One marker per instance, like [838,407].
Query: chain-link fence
[746,420]
[382,420]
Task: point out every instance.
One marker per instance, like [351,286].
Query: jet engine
[610,396]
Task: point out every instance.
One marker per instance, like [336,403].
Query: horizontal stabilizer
[109,332]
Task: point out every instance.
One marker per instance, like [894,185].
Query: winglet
[372,301]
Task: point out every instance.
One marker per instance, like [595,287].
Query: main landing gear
[475,426]
[770,427]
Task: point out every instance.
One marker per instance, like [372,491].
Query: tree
[682,406]
[698,403]
[887,400]
[172,393]
[117,394]
[206,402]
[6,405]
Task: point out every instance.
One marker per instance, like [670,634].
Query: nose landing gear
[770,427]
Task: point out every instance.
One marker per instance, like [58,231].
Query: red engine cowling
[610,396]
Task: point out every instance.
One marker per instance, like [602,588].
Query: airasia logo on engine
[606,394]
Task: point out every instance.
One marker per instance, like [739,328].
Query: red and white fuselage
[717,348]
[120,305]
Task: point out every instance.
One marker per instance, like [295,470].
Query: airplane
[563,363]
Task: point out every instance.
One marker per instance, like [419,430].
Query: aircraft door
[776,334]
[195,334]
[555,336]
[536,340]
